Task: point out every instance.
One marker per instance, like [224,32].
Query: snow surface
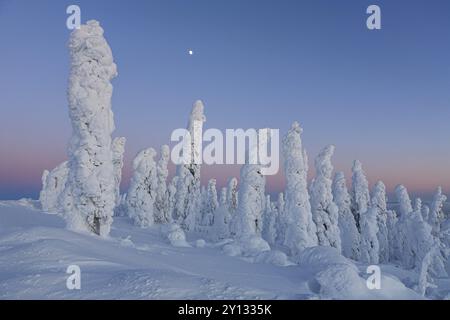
[136,263]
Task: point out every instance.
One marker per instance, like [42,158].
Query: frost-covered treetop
[142,159]
[197,114]
[90,41]
[323,162]
[165,151]
[379,196]
[340,192]
[296,127]
[404,201]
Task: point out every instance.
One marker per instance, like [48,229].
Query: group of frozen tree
[356,222]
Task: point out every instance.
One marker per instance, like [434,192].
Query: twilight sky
[382,97]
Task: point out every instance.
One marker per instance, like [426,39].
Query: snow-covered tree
[171,197]
[404,252]
[251,200]
[425,212]
[421,242]
[232,195]
[53,184]
[324,211]
[370,248]
[350,236]
[436,215]
[118,149]
[210,203]
[415,236]
[301,230]
[89,196]
[250,209]
[280,203]
[380,201]
[142,192]
[391,225]
[281,222]
[360,191]
[162,214]
[269,232]
[221,218]
[188,197]
[223,197]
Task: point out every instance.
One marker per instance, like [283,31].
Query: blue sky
[380,96]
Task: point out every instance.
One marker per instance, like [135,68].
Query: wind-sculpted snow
[136,263]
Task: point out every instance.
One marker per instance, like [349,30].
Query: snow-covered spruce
[360,191]
[118,149]
[210,203]
[380,201]
[436,214]
[53,184]
[269,232]
[232,204]
[350,236]
[142,192]
[232,195]
[162,214]
[187,197]
[403,250]
[300,230]
[324,210]
[250,209]
[222,219]
[171,197]
[370,248]
[281,223]
[89,196]
[415,236]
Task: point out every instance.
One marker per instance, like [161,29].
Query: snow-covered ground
[136,263]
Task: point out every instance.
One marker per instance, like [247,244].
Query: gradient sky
[380,96]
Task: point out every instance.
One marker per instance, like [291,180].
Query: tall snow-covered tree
[142,192]
[324,211]
[88,199]
[269,232]
[210,203]
[221,218]
[391,224]
[118,149]
[250,209]
[301,230]
[360,191]
[280,203]
[350,236]
[188,197]
[232,195]
[436,215]
[251,201]
[370,248]
[415,235]
[53,184]
[404,252]
[380,201]
[162,214]
[171,197]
